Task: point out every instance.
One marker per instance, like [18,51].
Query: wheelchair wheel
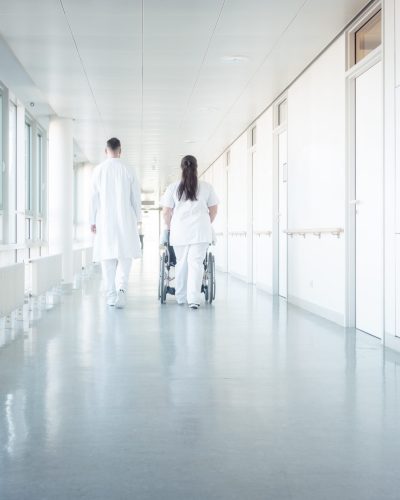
[162,292]
[160,277]
[210,294]
[206,293]
[213,282]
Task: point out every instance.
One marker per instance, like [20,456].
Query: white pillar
[60,210]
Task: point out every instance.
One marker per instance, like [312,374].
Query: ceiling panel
[208,68]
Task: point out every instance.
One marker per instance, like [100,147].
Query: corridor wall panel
[263,203]
[237,208]
[392,56]
[316,184]
[220,183]
[396,10]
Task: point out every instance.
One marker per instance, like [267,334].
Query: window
[253,136]
[1,154]
[368,37]
[40,177]
[282,112]
[12,173]
[28,168]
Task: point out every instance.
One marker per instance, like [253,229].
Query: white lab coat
[190,222]
[115,208]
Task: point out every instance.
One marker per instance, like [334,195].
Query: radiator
[46,273]
[12,288]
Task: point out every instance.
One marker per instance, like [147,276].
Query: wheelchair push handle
[164,237]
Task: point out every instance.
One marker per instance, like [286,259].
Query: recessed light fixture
[207,109]
[190,141]
[235,59]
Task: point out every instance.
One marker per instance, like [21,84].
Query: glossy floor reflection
[249,399]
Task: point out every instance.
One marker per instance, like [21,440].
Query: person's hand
[93,228]
[164,237]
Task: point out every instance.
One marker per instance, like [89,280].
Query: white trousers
[115,274]
[189,271]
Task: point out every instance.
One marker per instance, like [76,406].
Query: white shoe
[111,300]
[194,306]
[120,303]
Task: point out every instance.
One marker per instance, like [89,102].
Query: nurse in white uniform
[190,207]
[115,212]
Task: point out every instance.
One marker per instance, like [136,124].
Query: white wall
[263,203]
[316,158]
[238,208]
[391,60]
[220,183]
[316,184]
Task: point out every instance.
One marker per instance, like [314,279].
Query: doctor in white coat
[190,207]
[115,211]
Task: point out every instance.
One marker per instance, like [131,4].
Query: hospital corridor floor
[247,399]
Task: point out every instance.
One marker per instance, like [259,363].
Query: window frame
[3,149]
[277,125]
[253,136]
[351,36]
[29,171]
[228,158]
[12,210]
[41,170]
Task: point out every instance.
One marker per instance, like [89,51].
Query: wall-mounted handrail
[237,233]
[263,233]
[319,231]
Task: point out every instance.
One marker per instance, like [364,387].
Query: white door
[255,213]
[282,167]
[368,201]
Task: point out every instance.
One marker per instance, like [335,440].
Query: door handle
[284,172]
[354,202]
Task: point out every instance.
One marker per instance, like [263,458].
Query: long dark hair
[189,182]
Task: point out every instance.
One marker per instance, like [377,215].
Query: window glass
[28,167]
[368,37]
[282,112]
[1,152]
[253,136]
[39,150]
[12,172]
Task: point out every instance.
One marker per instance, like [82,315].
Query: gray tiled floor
[249,399]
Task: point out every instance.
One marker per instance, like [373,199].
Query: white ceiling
[167,89]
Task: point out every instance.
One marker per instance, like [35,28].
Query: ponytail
[189,182]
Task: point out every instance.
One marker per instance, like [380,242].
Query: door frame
[352,74]
[277,130]
[251,151]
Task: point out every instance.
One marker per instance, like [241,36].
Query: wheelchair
[166,276]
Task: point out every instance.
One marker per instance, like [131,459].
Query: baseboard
[264,288]
[392,342]
[239,277]
[318,310]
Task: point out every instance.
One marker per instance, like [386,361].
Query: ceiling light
[190,141]
[208,108]
[235,59]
